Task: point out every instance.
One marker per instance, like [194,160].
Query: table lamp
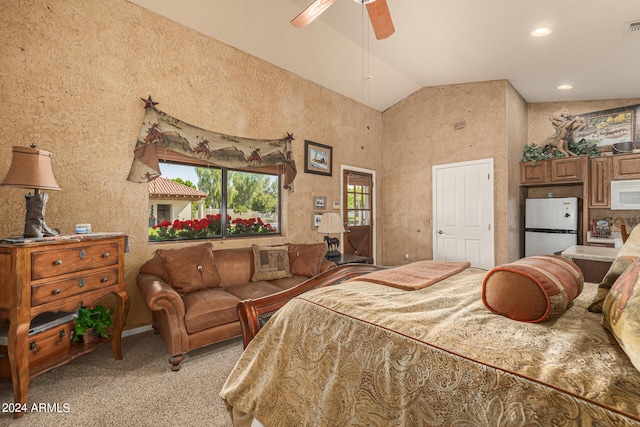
[31,168]
[331,223]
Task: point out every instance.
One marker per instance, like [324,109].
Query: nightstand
[349,259]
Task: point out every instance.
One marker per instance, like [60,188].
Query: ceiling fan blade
[380,19]
[310,13]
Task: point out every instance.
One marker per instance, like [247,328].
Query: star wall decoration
[150,103]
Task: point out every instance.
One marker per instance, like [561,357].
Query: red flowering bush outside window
[208,227]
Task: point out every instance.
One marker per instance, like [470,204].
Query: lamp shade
[30,168]
[331,223]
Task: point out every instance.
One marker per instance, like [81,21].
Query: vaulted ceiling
[435,43]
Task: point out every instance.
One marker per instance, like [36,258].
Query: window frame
[224,216]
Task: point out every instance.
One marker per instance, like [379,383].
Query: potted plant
[92,323]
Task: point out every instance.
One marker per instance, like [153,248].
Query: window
[200,202]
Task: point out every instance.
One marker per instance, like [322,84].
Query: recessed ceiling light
[540,32]
[565,87]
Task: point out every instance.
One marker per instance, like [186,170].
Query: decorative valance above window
[163,137]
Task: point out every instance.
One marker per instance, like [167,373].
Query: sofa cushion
[191,268]
[288,282]
[253,290]
[621,312]
[532,289]
[306,259]
[270,262]
[208,308]
[234,265]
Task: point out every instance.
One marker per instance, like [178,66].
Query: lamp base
[34,225]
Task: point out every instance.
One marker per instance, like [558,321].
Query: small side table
[348,259]
[594,261]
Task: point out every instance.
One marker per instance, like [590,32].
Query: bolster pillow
[532,289]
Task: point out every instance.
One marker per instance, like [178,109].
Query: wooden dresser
[58,274]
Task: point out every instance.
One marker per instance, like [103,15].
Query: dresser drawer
[60,289]
[50,343]
[55,263]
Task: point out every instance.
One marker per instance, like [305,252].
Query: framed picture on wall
[316,218]
[318,158]
[607,127]
[319,202]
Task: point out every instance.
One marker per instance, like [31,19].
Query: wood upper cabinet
[626,166]
[566,170]
[533,173]
[600,171]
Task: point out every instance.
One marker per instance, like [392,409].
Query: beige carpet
[139,390]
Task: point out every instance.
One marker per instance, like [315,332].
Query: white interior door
[463,212]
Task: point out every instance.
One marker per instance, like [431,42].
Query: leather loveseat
[193,292]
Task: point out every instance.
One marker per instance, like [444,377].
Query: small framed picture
[317,218]
[318,158]
[336,205]
[319,202]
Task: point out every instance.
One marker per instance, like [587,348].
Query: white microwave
[625,195]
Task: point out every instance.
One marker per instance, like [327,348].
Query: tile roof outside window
[165,188]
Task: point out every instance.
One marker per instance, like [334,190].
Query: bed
[365,353]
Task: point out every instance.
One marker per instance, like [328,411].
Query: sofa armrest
[159,295]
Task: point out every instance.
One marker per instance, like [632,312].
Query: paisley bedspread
[362,353]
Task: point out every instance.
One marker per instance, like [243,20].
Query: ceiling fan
[377,9]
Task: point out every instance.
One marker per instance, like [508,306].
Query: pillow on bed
[532,289]
[629,252]
[619,265]
[270,262]
[306,259]
[191,268]
[621,312]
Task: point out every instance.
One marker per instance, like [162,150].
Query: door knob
[439,231]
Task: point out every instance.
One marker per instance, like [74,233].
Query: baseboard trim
[136,331]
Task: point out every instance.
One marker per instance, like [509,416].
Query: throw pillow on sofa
[270,262]
[306,259]
[191,268]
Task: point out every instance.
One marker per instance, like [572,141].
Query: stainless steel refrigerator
[551,225]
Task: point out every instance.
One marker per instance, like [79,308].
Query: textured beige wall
[517,123]
[419,132]
[72,75]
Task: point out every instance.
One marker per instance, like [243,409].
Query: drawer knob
[82,254]
[34,347]
[58,262]
[105,255]
[105,279]
[81,282]
[57,291]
